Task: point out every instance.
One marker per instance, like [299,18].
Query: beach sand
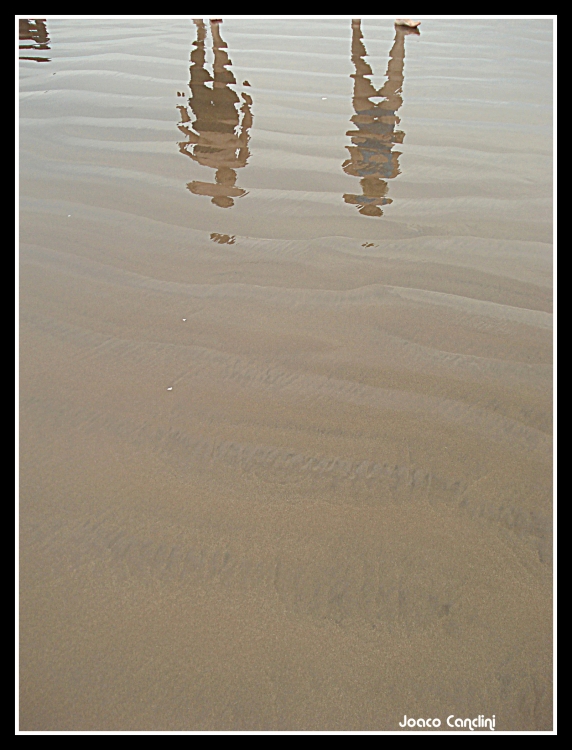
[285,462]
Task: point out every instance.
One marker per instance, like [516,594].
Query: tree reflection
[372,157]
[34,35]
[216,127]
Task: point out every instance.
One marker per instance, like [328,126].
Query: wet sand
[286,368]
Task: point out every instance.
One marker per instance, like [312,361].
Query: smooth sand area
[286,374]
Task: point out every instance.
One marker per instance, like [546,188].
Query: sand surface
[286,369]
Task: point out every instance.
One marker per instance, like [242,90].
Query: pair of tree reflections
[217,121]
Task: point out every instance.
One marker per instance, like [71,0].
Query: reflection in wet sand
[218,135]
[371,156]
[223,239]
[35,33]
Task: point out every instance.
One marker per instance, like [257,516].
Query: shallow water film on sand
[285,374]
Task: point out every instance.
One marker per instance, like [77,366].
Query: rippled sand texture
[285,374]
